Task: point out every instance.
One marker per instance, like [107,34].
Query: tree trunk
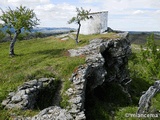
[10,35]
[13,41]
[78,32]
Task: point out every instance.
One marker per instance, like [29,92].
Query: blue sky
[135,15]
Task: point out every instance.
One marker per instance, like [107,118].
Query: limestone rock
[53,113]
[106,61]
[145,100]
[26,95]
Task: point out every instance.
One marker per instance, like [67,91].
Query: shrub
[23,36]
[38,35]
[2,35]
[149,58]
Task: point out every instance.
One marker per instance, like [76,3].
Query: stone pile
[26,95]
[77,93]
[92,73]
[53,113]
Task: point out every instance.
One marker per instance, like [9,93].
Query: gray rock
[75,100]
[5,102]
[80,116]
[104,59]
[145,100]
[16,99]
[53,113]
[26,95]
[11,94]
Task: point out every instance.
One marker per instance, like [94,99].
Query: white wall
[96,24]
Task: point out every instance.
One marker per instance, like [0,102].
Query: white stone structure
[97,23]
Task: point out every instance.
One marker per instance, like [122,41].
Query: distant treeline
[41,32]
[4,37]
[141,37]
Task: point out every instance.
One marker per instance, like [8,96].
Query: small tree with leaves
[82,15]
[20,18]
[150,58]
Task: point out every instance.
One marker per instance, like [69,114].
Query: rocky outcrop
[26,96]
[145,100]
[106,61]
[93,73]
[112,54]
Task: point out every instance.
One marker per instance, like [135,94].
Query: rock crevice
[106,61]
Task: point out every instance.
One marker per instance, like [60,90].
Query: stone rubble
[77,93]
[26,95]
[53,113]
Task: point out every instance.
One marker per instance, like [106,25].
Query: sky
[127,15]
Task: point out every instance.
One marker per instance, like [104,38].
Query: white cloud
[123,14]
[45,8]
[50,15]
[89,1]
[138,12]
[55,11]
[28,3]
[132,14]
[55,14]
[157,12]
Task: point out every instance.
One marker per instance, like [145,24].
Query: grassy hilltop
[48,57]
[36,58]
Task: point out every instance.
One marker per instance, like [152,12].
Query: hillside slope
[36,58]
[49,57]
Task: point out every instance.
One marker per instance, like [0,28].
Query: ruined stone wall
[106,61]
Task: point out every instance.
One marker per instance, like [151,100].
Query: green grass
[48,57]
[36,58]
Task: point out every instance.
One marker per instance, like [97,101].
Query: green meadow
[49,57]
